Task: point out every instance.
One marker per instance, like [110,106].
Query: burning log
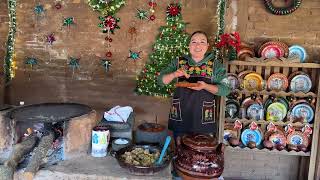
[19,150]
[39,153]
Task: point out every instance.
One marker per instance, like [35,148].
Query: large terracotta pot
[199,157]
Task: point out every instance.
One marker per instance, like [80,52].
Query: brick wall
[52,79]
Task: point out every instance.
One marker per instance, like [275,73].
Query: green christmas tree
[170,44]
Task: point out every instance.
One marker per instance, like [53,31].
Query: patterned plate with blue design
[304,111]
[255,111]
[251,135]
[301,83]
[297,51]
[297,138]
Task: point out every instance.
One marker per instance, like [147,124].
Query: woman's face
[198,45]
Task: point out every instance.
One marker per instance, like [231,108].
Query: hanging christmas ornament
[142,14]
[74,64]
[152,17]
[68,21]
[174,9]
[30,61]
[38,9]
[106,64]
[58,5]
[109,24]
[50,38]
[134,55]
[106,7]
[109,54]
[152,6]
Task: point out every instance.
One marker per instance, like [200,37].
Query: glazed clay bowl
[143,170]
[199,157]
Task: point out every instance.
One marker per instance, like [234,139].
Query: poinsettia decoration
[229,39]
[174,9]
[109,23]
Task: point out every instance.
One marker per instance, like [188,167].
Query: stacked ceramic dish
[276,108]
[245,51]
[299,82]
[296,51]
[273,49]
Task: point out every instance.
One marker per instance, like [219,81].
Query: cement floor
[91,168]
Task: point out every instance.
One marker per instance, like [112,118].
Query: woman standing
[193,108]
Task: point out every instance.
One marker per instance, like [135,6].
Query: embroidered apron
[193,111]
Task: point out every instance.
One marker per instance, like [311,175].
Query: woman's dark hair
[199,32]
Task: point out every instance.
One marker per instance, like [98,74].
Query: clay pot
[302,148]
[252,144]
[292,147]
[234,141]
[199,157]
[151,133]
[268,144]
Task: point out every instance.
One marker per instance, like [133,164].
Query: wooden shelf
[274,151]
[296,124]
[275,63]
[277,93]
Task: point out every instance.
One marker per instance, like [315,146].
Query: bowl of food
[141,159]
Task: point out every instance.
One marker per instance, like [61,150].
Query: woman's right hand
[181,72]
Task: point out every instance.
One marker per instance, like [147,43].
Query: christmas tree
[170,44]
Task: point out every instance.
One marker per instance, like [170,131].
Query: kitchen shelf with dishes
[274,104]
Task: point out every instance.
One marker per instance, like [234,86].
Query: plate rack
[265,69]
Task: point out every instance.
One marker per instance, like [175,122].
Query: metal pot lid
[199,142]
[255,111]
[277,82]
[304,111]
[301,83]
[251,135]
[276,112]
[297,51]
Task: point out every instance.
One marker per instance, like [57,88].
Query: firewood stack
[39,146]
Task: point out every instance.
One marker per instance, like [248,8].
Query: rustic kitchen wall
[52,79]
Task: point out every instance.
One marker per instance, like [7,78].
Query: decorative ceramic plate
[253,81]
[301,83]
[278,82]
[276,112]
[234,81]
[232,108]
[273,47]
[277,99]
[298,138]
[304,111]
[297,51]
[251,135]
[272,51]
[255,111]
[278,138]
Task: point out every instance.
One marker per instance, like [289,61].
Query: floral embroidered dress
[194,111]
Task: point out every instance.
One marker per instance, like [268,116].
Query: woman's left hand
[202,85]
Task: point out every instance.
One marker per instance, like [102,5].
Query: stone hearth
[76,137]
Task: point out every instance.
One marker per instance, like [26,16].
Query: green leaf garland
[106,7]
